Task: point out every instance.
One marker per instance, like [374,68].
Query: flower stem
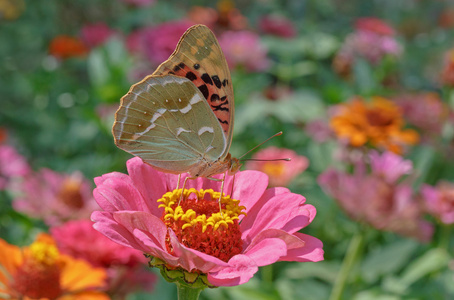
[267,274]
[445,236]
[188,293]
[347,265]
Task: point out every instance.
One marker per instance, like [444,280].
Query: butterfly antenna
[274,159]
[277,134]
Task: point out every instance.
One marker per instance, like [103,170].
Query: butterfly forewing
[166,121]
[199,58]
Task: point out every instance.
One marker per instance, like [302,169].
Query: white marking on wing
[185,109]
[181,130]
[196,98]
[122,122]
[208,149]
[205,129]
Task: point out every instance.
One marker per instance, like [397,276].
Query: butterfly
[180,118]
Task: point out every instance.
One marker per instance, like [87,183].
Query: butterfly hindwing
[199,58]
[166,121]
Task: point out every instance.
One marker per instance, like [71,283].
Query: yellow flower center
[199,224]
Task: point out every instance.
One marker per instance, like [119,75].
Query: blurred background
[363,91]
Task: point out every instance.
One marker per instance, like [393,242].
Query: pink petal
[287,212]
[267,251]
[191,259]
[311,251]
[255,209]
[115,192]
[105,224]
[154,249]
[149,182]
[146,222]
[241,269]
[248,187]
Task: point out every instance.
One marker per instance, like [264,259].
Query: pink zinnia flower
[157,43]
[439,201]
[424,110]
[390,166]
[377,198]
[277,25]
[54,197]
[12,164]
[124,265]
[372,40]
[97,34]
[140,211]
[280,173]
[243,48]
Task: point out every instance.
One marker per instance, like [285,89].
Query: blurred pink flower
[280,173]
[157,42]
[243,48]
[97,34]
[227,254]
[319,130]
[424,110]
[12,164]
[377,198]
[139,3]
[372,40]
[439,201]
[54,197]
[124,265]
[389,166]
[277,25]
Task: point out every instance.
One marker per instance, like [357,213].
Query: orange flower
[64,46]
[377,123]
[41,272]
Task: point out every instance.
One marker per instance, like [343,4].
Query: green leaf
[432,261]
[387,259]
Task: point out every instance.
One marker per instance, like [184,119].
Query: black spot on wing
[223,98]
[204,90]
[217,81]
[179,67]
[191,76]
[207,79]
[214,98]
[196,66]
[225,82]
[220,107]
[223,122]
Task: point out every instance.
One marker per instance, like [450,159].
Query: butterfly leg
[184,185]
[178,183]
[233,183]
[222,189]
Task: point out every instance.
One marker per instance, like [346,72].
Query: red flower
[64,46]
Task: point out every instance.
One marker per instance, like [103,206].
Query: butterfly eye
[235,166]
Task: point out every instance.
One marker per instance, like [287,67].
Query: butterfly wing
[166,121]
[199,58]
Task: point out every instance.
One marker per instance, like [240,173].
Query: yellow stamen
[226,216]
